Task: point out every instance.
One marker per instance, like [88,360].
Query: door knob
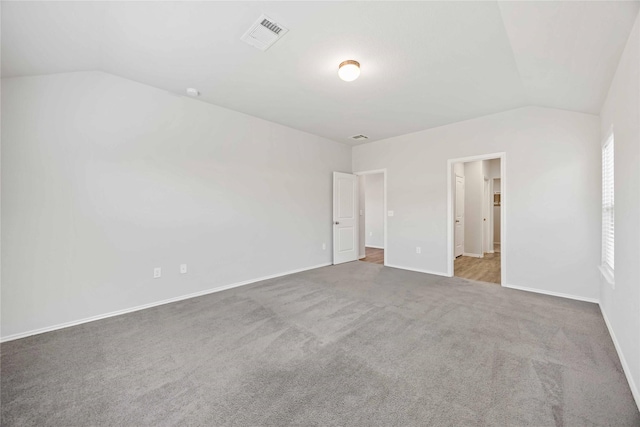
[457,220]
[336,223]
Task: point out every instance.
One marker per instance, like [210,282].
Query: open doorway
[476,217]
[372,209]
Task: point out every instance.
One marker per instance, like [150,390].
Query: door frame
[384,203]
[487,237]
[455,195]
[503,210]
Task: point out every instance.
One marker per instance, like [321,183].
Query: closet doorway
[476,217]
[372,216]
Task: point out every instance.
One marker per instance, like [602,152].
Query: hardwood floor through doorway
[485,269]
[374,256]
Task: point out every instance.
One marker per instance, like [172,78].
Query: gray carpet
[357,344]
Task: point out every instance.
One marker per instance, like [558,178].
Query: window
[608,212]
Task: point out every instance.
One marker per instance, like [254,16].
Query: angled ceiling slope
[424,64]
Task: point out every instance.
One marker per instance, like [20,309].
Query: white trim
[503,210]
[153,304]
[384,197]
[472,255]
[362,256]
[555,294]
[607,275]
[623,361]
[464,223]
[436,273]
[374,247]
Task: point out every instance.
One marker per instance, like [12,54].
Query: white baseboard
[555,294]
[362,256]
[153,304]
[623,361]
[437,273]
[472,255]
[374,247]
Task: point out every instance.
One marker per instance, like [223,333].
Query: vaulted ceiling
[424,64]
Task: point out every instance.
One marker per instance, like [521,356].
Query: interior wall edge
[553,294]
[417,270]
[623,361]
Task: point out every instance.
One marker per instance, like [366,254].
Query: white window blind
[608,212]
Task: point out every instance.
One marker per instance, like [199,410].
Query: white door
[485,218]
[459,216]
[345,219]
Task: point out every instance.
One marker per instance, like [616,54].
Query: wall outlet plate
[183,268]
[157,272]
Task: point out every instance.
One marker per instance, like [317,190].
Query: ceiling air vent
[263,33]
[359,137]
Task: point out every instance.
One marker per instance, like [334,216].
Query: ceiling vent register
[359,137]
[264,33]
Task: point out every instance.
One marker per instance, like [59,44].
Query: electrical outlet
[370,233]
[390,213]
[157,272]
[418,250]
[183,268]
[324,246]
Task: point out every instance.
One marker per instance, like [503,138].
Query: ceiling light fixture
[349,70]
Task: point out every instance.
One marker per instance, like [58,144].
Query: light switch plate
[390,213]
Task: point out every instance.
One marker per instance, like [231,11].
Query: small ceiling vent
[263,33]
[359,137]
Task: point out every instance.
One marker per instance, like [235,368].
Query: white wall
[621,111]
[374,214]
[458,169]
[551,156]
[494,169]
[473,192]
[105,179]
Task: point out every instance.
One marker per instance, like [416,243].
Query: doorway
[476,208]
[459,215]
[372,215]
[350,227]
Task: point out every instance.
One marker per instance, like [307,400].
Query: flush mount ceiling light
[349,70]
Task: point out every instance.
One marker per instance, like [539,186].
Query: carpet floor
[356,344]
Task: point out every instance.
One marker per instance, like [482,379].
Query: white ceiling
[424,64]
